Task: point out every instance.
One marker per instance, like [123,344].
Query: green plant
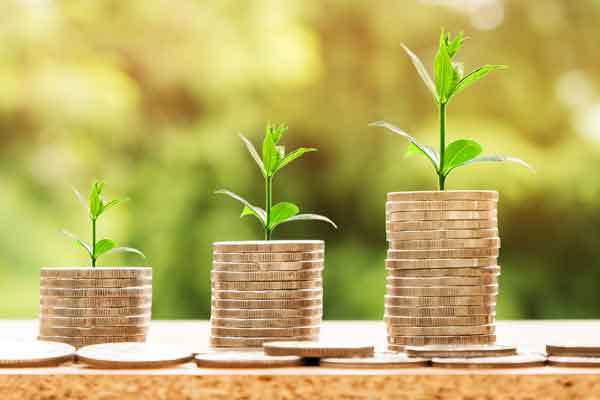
[273,160]
[449,80]
[96,206]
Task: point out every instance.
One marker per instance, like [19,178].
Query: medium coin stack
[442,272]
[85,306]
[265,291]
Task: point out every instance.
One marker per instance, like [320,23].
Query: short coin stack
[265,291]
[442,268]
[85,306]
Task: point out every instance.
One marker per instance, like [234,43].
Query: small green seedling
[96,207]
[273,160]
[449,80]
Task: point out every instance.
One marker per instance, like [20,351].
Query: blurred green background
[150,95]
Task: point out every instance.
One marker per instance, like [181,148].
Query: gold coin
[269,257]
[95,312]
[378,361]
[267,266]
[442,281]
[46,330]
[440,330]
[267,294]
[89,340]
[455,339]
[444,272]
[443,291]
[515,361]
[265,332]
[94,283]
[441,205]
[463,351]
[439,321]
[573,349]
[574,361]
[269,246]
[132,355]
[401,226]
[430,301]
[425,263]
[444,195]
[245,359]
[441,253]
[97,273]
[140,291]
[442,234]
[30,354]
[264,323]
[440,215]
[88,322]
[444,244]
[268,285]
[95,302]
[448,311]
[267,304]
[319,349]
[239,342]
[267,276]
[267,313]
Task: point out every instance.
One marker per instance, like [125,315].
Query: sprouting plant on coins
[96,206]
[449,81]
[274,158]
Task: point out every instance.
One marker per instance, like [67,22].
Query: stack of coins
[442,272]
[84,306]
[266,291]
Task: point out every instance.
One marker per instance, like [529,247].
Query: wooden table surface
[189,382]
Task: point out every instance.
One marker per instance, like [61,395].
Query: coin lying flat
[442,281]
[95,312]
[241,342]
[443,195]
[444,272]
[88,340]
[132,355]
[377,361]
[271,304]
[95,302]
[441,205]
[267,266]
[88,322]
[573,350]
[455,339]
[98,292]
[268,257]
[268,285]
[440,215]
[443,291]
[267,313]
[265,323]
[441,330]
[516,361]
[445,263]
[442,234]
[268,246]
[95,331]
[267,294]
[302,275]
[25,354]
[441,253]
[317,349]
[96,273]
[493,242]
[94,283]
[460,351]
[265,332]
[440,321]
[399,226]
[430,301]
[441,312]
[245,359]
[574,362]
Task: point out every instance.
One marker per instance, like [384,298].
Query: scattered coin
[443,195]
[445,263]
[456,339]
[442,234]
[269,246]
[440,215]
[442,281]
[441,330]
[493,242]
[94,283]
[244,342]
[441,205]
[96,331]
[270,304]
[265,323]
[132,355]
[442,291]
[267,313]
[88,340]
[95,312]
[444,272]
[317,349]
[267,294]
[28,354]
[245,359]
[377,361]
[89,322]
[453,311]
[399,226]
[461,351]
[440,321]
[267,266]
[574,361]
[95,302]
[265,332]
[441,253]
[302,275]
[574,350]
[98,292]
[268,285]
[430,301]
[268,257]
[96,273]
[516,361]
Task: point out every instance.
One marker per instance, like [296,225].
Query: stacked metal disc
[84,306]
[266,291]
[442,272]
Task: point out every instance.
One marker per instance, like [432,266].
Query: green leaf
[257,211]
[454,45]
[422,71]
[113,203]
[282,211]
[248,211]
[293,156]
[96,200]
[80,242]
[412,150]
[126,250]
[445,75]
[498,158]
[313,217]
[254,154]
[103,246]
[427,151]
[270,155]
[459,152]
[474,76]
[276,131]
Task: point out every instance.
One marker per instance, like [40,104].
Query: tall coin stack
[266,291]
[83,306]
[442,272]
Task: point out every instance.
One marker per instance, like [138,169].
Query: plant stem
[441,176]
[268,204]
[93,243]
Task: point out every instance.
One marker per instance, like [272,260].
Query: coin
[432,291]
[268,257]
[462,351]
[94,283]
[87,322]
[377,361]
[442,234]
[421,301]
[267,294]
[267,276]
[573,350]
[441,224]
[265,323]
[132,355]
[240,342]
[442,281]
[95,302]
[319,349]
[95,312]
[268,266]
[269,246]
[245,359]
[425,263]
[443,195]
[98,292]
[96,273]
[439,215]
[574,362]
[29,354]
[441,253]
[515,361]
[268,285]
[454,311]
[46,330]
[444,272]
[265,332]
[439,321]
[267,313]
[88,340]
[267,304]
[441,205]
[440,330]
[444,244]
[454,339]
